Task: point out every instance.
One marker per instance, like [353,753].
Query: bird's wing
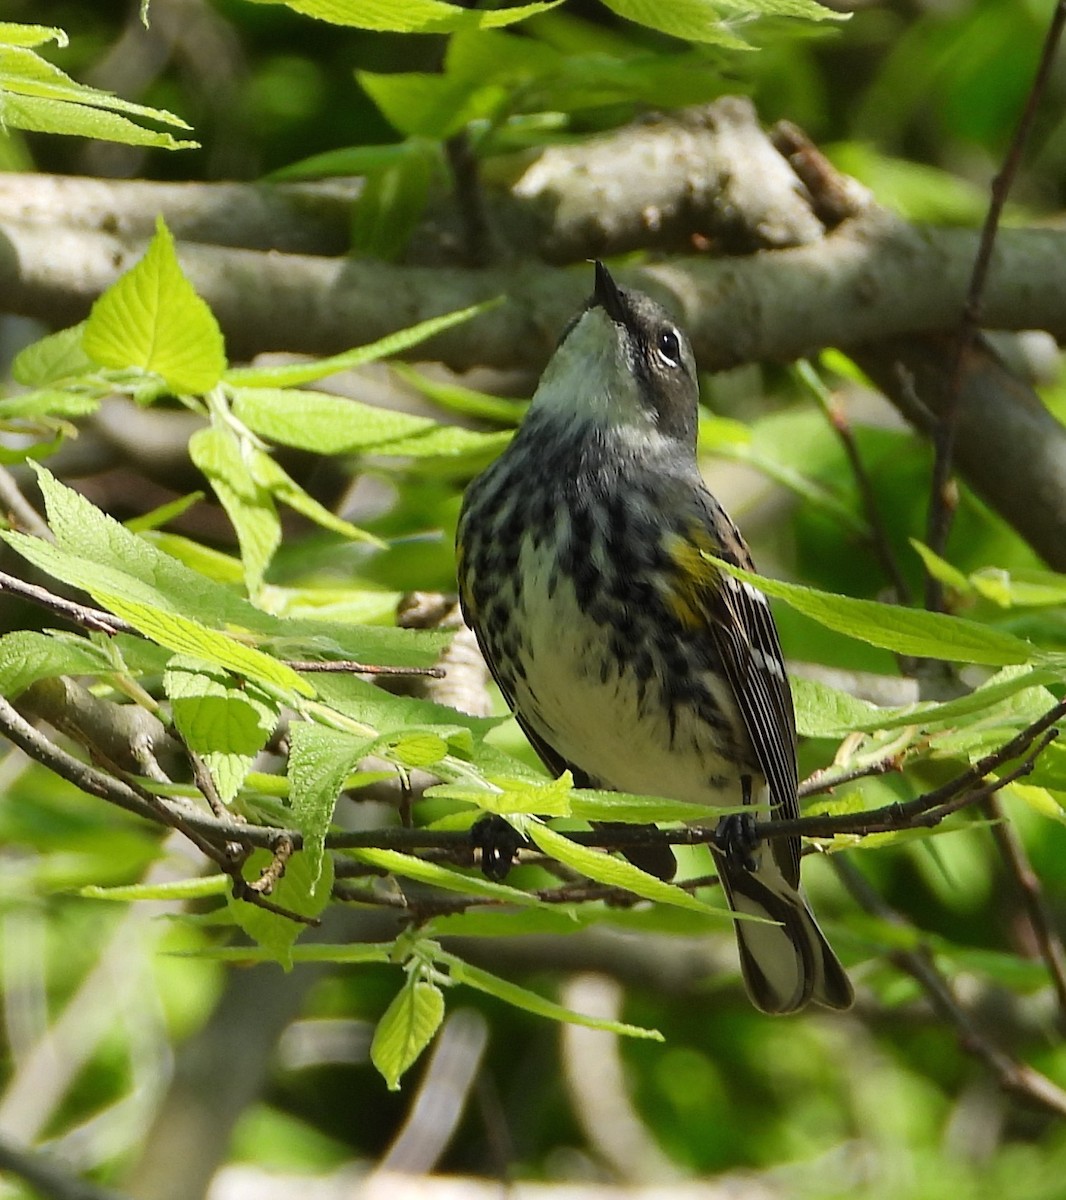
[738,621]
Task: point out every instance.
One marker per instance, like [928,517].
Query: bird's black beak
[607,296]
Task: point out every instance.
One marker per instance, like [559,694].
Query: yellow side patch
[695,577]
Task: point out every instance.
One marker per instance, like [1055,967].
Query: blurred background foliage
[916,98]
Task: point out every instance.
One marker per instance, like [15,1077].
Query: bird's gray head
[623,364]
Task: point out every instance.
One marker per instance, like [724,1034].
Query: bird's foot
[736,840]
[498,842]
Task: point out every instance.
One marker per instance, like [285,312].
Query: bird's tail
[786,963]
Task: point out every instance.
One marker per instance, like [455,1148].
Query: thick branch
[874,277]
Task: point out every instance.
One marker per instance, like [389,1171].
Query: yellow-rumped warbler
[627,657]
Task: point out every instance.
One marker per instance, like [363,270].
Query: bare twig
[1017,1078]
[879,539]
[942,495]
[1046,935]
[349,666]
[21,512]
[81,614]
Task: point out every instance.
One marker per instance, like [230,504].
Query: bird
[584,564]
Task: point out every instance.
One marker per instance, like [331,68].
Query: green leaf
[615,872]
[520,997]
[44,114]
[313,952]
[178,889]
[941,570]
[391,204]
[227,723]
[294,374]
[589,804]
[218,453]
[412,16]
[58,356]
[320,760]
[27,656]
[267,473]
[437,107]
[14,34]
[320,423]
[825,712]
[164,514]
[85,532]
[152,319]
[299,890]
[406,1029]
[548,799]
[409,867]
[47,402]
[136,603]
[446,441]
[902,630]
[714,20]
[463,400]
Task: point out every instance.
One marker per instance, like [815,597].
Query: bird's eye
[668,347]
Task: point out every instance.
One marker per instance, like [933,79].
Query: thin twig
[942,504]
[1015,1077]
[1041,922]
[94,619]
[349,666]
[22,513]
[878,538]
[826,780]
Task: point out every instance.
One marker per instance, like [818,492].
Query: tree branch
[1014,1077]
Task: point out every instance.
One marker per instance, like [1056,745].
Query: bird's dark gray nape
[607,296]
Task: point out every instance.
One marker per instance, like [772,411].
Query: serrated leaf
[249,506]
[547,799]
[826,712]
[178,889]
[227,723]
[58,356]
[406,1029]
[131,600]
[295,374]
[152,319]
[320,759]
[902,630]
[615,872]
[321,423]
[520,997]
[47,402]
[27,656]
[43,114]
[29,75]
[298,890]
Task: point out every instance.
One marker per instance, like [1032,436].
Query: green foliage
[36,95]
[214,634]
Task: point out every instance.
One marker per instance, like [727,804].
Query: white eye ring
[668,347]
